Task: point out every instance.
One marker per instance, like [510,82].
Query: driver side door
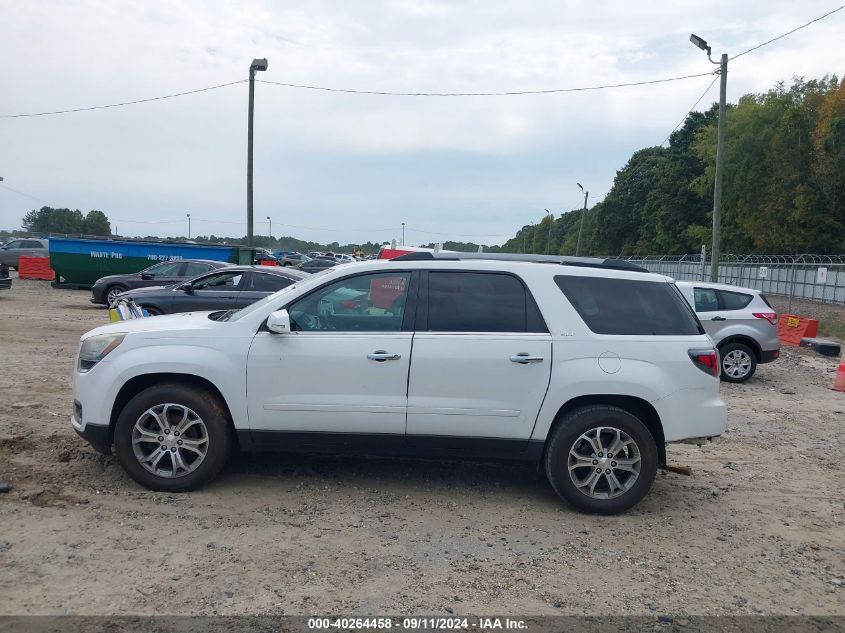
[340,377]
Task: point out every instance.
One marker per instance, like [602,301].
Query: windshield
[239,314]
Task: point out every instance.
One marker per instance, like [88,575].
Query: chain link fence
[809,277]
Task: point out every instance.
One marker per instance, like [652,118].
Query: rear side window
[734,300]
[625,306]
[480,302]
[192,269]
[266,282]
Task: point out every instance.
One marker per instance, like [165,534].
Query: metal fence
[809,277]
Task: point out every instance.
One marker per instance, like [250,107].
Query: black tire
[566,437]
[213,415]
[113,289]
[729,370]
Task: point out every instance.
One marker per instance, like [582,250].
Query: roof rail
[564,260]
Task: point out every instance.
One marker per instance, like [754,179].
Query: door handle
[523,358]
[718,319]
[381,356]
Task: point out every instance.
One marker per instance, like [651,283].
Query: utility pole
[581,224]
[189,225]
[716,249]
[551,224]
[270,229]
[257,64]
[403,234]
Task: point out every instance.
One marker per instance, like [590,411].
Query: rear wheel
[173,438]
[601,459]
[112,292]
[738,362]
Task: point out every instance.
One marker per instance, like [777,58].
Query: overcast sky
[331,166]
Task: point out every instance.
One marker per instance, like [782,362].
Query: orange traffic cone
[839,381]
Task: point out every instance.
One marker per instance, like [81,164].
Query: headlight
[96,348]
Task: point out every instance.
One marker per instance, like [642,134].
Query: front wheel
[601,459]
[738,362]
[173,437]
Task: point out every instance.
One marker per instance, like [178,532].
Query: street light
[256,65]
[403,234]
[270,229]
[551,223]
[720,156]
[189,225]
[581,224]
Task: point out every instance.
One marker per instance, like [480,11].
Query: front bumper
[97,296]
[6,283]
[96,435]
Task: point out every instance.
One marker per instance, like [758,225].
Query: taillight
[707,360]
[771,317]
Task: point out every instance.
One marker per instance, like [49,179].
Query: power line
[26,195]
[797,28]
[124,103]
[481,94]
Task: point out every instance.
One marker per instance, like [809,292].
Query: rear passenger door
[480,364]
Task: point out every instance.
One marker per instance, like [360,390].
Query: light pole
[581,224]
[270,229]
[256,65]
[720,157]
[403,234]
[189,225]
[551,223]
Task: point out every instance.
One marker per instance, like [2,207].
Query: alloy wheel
[604,462]
[170,440]
[736,363]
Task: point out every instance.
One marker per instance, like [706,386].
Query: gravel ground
[758,528]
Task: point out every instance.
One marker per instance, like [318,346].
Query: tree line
[783,188]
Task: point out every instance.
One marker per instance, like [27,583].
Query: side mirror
[188,289]
[147,276]
[279,322]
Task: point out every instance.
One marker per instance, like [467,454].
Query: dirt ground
[758,528]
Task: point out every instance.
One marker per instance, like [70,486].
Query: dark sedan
[227,289]
[161,274]
[318,264]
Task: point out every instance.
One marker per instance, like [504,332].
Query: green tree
[96,223]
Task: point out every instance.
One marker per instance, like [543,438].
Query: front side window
[366,303]
[219,281]
[734,300]
[476,302]
[165,269]
[628,306]
[705,300]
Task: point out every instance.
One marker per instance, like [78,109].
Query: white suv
[582,366]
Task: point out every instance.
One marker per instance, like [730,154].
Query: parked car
[315,254]
[343,258]
[293,259]
[233,287]
[107,288]
[264,255]
[5,279]
[586,370]
[30,247]
[742,323]
[317,264]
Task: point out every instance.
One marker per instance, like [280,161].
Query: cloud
[352,162]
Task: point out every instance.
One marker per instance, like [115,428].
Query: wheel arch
[137,384]
[746,340]
[638,407]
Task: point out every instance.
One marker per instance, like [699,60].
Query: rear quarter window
[734,300]
[629,307]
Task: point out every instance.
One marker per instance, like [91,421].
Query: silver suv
[740,321]
[11,251]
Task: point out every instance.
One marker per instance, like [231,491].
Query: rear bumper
[767,356]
